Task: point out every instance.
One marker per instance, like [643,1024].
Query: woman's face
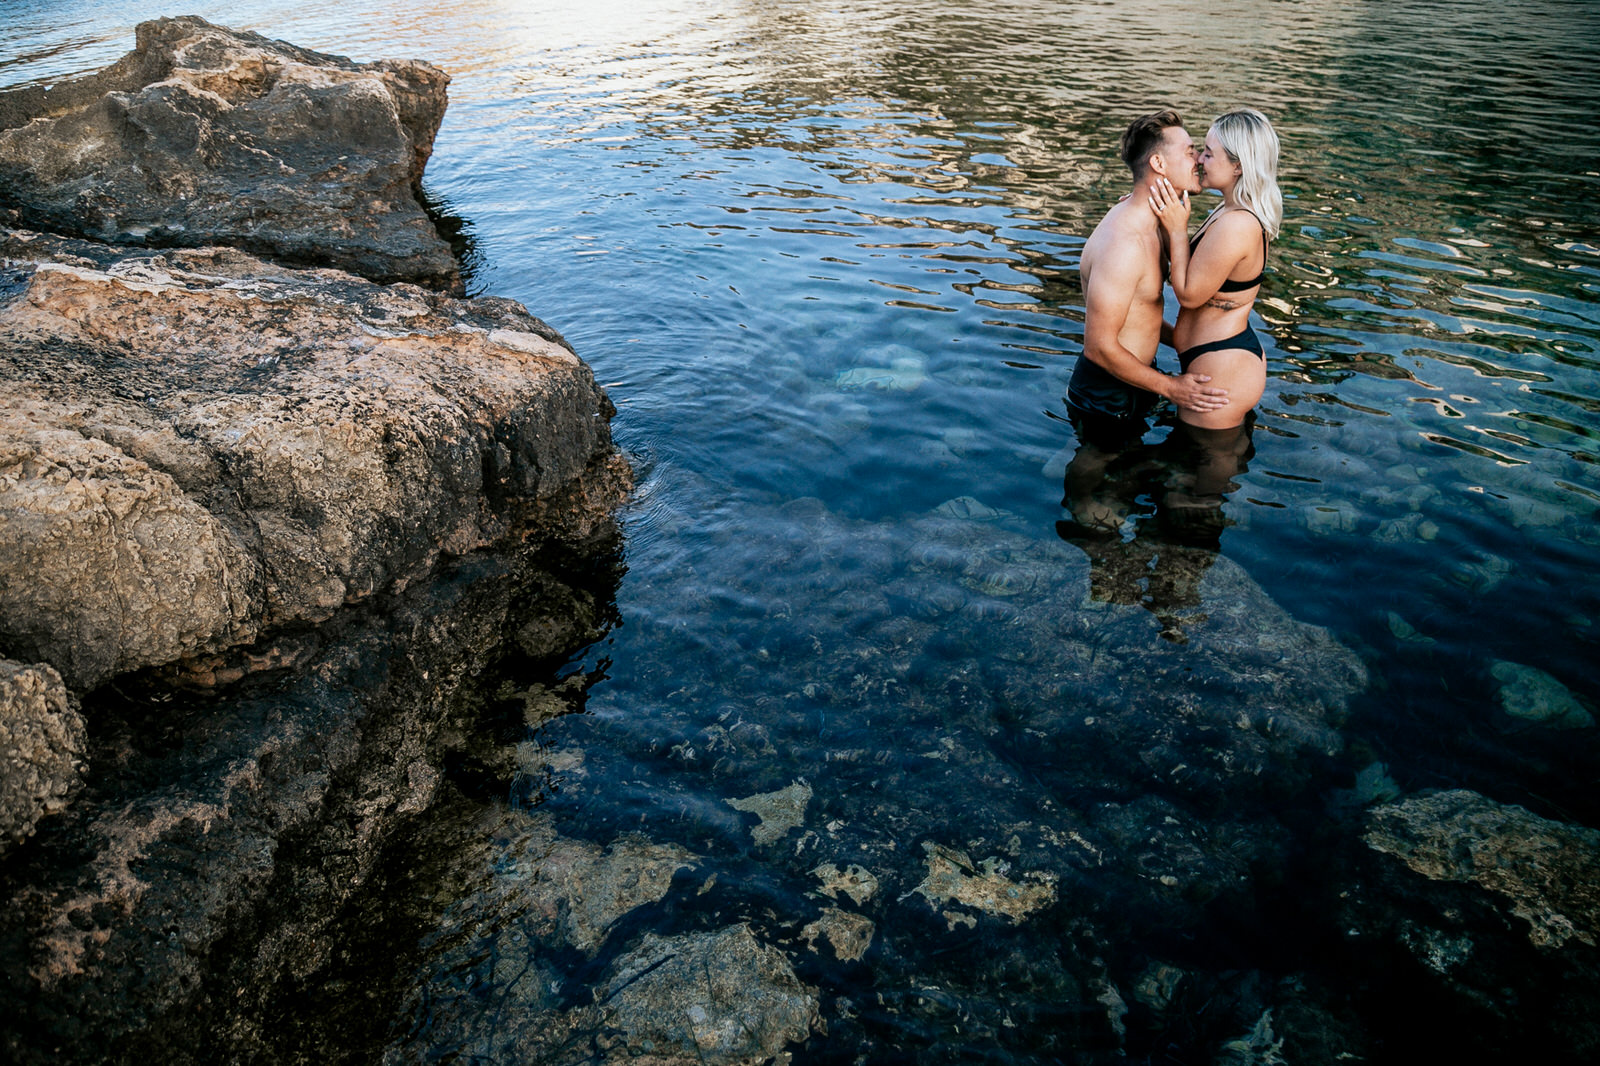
[1217,171]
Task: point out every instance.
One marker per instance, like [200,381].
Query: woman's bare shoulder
[1237,223]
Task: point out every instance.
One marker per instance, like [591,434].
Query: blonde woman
[1216,275]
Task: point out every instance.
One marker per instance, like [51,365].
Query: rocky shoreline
[274,502]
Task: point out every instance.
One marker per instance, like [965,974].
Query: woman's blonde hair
[1250,141]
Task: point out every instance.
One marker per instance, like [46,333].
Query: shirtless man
[1115,383]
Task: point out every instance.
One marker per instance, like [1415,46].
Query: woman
[1216,276]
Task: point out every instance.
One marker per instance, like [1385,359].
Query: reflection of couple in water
[1216,276]
[1150,518]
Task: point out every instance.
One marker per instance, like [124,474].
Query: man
[1115,383]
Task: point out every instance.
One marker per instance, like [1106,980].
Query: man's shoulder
[1122,238]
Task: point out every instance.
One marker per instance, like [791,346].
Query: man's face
[1182,162]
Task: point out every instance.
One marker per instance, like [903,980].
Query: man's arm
[1109,298]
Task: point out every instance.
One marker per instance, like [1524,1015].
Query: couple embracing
[1215,275]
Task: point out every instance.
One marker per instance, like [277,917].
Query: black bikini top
[1230,285]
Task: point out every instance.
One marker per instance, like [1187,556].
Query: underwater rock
[979,786]
[720,998]
[1405,631]
[525,905]
[903,374]
[779,811]
[1372,785]
[1545,873]
[1487,907]
[971,509]
[198,447]
[41,748]
[592,888]
[1533,695]
[954,878]
[1158,985]
[1259,1047]
[204,136]
[855,881]
[849,934]
[1327,518]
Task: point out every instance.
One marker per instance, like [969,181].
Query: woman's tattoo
[1221,304]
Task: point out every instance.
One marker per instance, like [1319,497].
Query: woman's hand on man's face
[1170,206]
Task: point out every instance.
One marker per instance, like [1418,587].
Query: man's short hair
[1143,136]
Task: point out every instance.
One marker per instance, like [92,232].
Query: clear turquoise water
[828,252]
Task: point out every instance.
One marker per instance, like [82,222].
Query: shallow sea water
[824,257]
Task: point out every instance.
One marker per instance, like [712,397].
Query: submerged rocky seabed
[894,843]
[298,766]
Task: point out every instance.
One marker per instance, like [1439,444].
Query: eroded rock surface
[203,136]
[198,447]
[41,747]
[1546,873]
[192,897]
[720,998]
[1490,904]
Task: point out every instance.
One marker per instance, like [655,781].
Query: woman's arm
[1229,241]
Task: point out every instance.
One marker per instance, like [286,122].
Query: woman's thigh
[1242,372]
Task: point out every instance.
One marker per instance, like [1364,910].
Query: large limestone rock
[1545,873]
[1489,905]
[41,748]
[204,136]
[197,447]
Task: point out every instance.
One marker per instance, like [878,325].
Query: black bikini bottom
[1246,339]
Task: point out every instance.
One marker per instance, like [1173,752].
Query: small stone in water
[969,508]
[779,811]
[1405,631]
[902,375]
[1533,695]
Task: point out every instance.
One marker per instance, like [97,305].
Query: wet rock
[1545,873]
[41,748]
[1488,909]
[198,447]
[1372,785]
[720,998]
[854,881]
[1259,1047]
[983,886]
[779,811]
[1534,696]
[849,934]
[593,888]
[221,838]
[1157,986]
[906,371]
[204,136]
